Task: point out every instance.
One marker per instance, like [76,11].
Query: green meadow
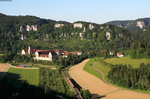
[100,67]
[97,65]
[17,75]
[127,60]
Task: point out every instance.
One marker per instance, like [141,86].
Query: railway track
[76,91]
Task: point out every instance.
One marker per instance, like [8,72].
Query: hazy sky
[98,11]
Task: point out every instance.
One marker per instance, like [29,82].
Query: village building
[111,52]
[28,51]
[119,54]
[66,53]
[43,55]
[47,55]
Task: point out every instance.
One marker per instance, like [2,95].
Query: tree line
[53,80]
[126,76]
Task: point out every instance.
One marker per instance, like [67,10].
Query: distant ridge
[132,25]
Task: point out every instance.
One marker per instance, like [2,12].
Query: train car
[25,66]
[19,66]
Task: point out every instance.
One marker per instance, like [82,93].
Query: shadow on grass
[13,88]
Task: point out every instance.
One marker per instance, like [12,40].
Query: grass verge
[88,68]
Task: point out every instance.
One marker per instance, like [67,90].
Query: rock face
[58,25]
[108,35]
[132,25]
[22,28]
[91,26]
[81,35]
[77,25]
[34,27]
[23,37]
[140,24]
[28,28]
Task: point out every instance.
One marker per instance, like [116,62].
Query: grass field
[88,68]
[31,76]
[96,67]
[127,60]
[101,67]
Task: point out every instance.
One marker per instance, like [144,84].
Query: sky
[97,11]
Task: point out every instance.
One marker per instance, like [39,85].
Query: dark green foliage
[70,60]
[66,37]
[53,80]
[135,78]
[141,49]
[86,94]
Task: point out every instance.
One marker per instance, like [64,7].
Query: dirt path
[21,67]
[3,69]
[97,86]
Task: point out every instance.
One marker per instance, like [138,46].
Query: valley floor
[98,86]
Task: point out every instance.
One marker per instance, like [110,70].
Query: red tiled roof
[66,53]
[119,54]
[32,50]
[42,50]
[73,53]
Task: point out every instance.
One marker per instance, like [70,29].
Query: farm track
[3,70]
[21,67]
[100,87]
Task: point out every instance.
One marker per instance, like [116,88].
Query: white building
[111,52]
[28,51]
[45,55]
[119,54]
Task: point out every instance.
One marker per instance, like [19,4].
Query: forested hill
[17,32]
[132,25]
